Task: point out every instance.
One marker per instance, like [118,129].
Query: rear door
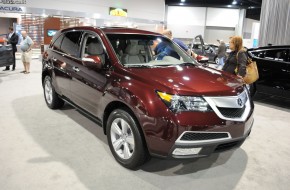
[68,59]
[61,77]
[6,55]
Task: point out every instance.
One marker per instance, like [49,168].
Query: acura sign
[12,9]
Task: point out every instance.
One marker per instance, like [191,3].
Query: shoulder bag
[252,74]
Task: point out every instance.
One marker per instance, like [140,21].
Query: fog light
[186,151]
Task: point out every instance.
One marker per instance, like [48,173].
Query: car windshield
[135,50]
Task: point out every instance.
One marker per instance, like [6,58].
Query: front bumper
[195,144]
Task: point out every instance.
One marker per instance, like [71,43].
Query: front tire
[216,60]
[51,97]
[125,139]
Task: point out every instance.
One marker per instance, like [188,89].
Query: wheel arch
[120,105]
[116,105]
[44,74]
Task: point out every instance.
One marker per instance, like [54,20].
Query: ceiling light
[182,1]
[229,6]
[234,2]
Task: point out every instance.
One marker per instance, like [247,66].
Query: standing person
[162,46]
[26,47]
[237,59]
[221,54]
[12,38]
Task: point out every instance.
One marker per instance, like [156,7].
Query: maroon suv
[149,102]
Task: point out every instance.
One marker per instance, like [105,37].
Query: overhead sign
[118,12]
[12,9]
[13,1]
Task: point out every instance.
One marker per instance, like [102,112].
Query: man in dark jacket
[12,38]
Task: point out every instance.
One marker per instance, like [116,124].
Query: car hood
[190,80]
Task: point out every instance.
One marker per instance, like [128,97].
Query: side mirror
[92,62]
[202,59]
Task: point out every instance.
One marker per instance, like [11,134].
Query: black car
[6,55]
[273,63]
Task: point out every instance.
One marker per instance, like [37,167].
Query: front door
[88,82]
[273,75]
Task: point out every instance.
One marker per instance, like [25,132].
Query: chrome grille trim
[230,102]
[198,142]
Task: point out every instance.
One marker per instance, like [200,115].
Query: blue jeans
[220,63]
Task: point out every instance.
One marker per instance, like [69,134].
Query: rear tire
[51,97]
[125,139]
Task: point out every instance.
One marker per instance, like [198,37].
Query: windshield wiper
[186,64]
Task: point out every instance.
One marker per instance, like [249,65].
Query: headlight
[184,103]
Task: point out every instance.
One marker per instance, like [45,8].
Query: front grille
[227,146]
[232,112]
[189,136]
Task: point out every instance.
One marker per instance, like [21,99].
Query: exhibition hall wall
[148,15]
[5,23]
[149,9]
[193,21]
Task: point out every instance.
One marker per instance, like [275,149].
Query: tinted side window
[71,43]
[93,48]
[279,54]
[57,43]
[260,54]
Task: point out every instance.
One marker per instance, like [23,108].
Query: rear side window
[71,43]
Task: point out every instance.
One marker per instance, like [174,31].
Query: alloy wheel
[48,91]
[122,138]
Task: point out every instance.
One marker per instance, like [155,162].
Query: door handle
[76,69]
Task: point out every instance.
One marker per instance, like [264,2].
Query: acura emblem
[240,102]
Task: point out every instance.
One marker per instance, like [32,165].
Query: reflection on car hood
[190,80]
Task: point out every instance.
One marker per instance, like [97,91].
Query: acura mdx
[148,105]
